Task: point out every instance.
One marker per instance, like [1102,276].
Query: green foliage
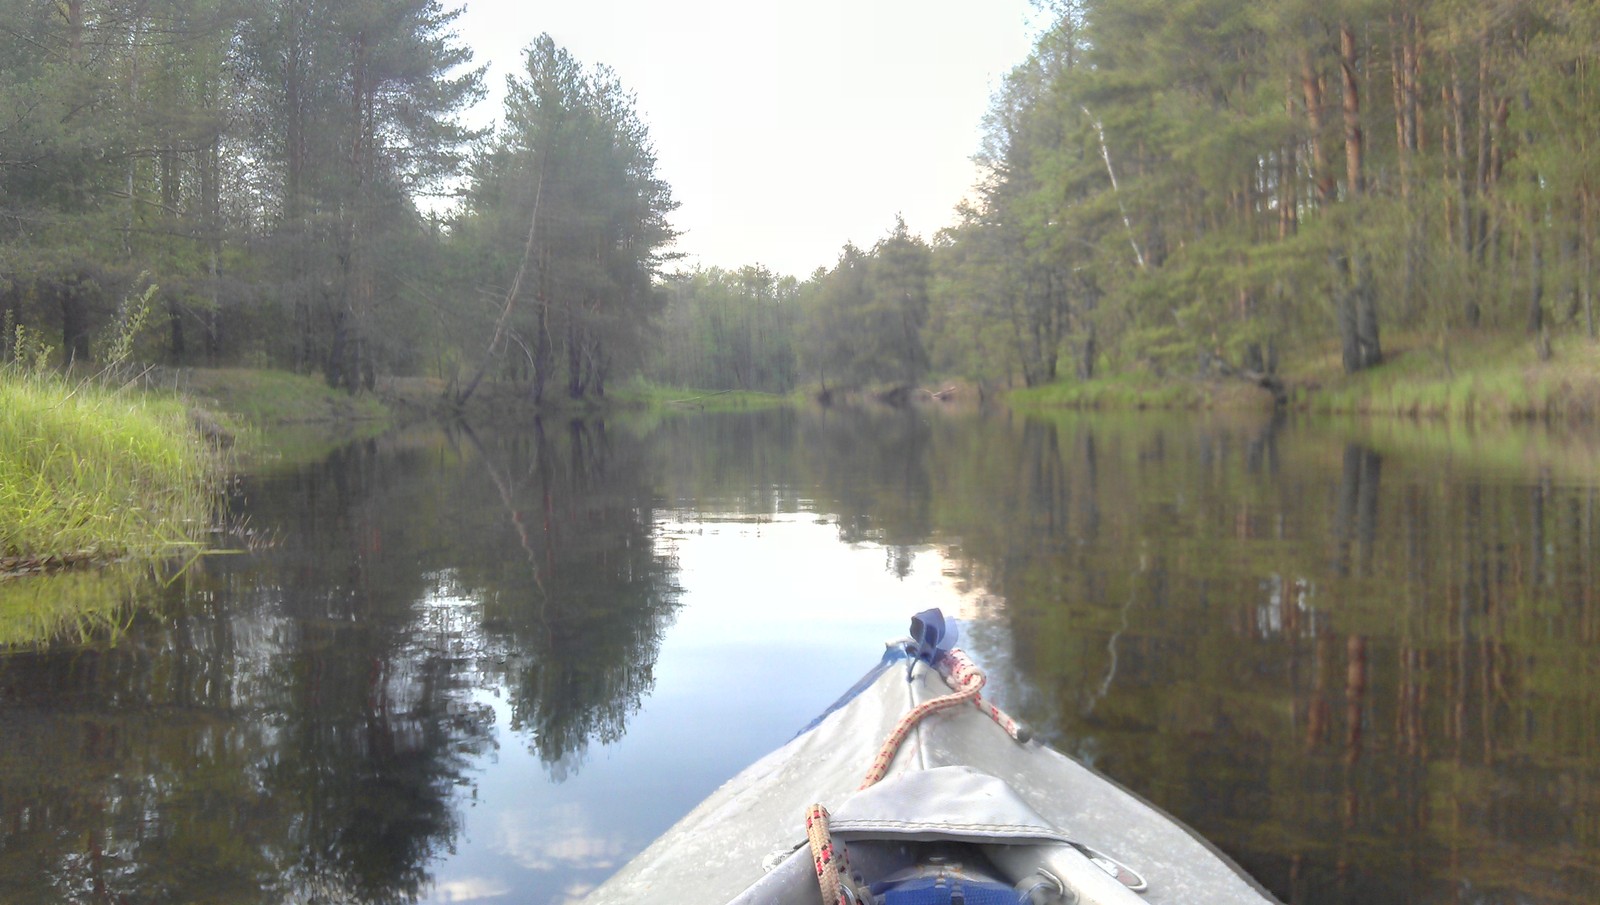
[1172,184]
[864,320]
[642,393]
[1130,392]
[728,330]
[261,163]
[565,226]
[1164,185]
[1473,379]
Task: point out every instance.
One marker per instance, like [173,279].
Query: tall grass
[1473,378]
[92,472]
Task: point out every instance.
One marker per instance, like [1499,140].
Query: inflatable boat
[914,790]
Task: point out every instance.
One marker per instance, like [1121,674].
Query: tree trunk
[175,329]
[1480,223]
[211,203]
[357,284]
[300,288]
[1360,288]
[1536,317]
[574,359]
[1586,264]
[1313,83]
[1407,114]
[1353,141]
[74,321]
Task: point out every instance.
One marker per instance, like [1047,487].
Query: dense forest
[1168,187]
[281,173]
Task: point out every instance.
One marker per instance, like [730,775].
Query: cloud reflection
[470,889]
[556,839]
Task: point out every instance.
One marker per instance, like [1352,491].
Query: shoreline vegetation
[1166,200]
[1478,377]
[92,474]
[1472,376]
[104,488]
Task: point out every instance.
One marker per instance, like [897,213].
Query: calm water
[492,666]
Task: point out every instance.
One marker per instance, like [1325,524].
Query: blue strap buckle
[930,633]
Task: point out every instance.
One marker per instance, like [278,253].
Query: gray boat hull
[726,848]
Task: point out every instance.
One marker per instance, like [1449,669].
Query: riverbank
[411,397]
[1466,377]
[90,474]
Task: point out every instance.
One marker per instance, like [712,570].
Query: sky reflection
[776,596]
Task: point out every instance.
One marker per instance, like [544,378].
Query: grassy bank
[643,394]
[1461,377]
[92,474]
[264,398]
[1133,392]
[495,400]
[278,417]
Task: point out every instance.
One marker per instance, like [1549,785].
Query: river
[458,665]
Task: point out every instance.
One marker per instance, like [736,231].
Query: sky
[785,128]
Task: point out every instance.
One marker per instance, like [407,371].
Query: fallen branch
[511,298]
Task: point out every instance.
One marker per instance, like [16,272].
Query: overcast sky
[786,128]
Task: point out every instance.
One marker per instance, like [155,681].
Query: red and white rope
[966,680]
[822,855]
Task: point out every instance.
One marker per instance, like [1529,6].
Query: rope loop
[830,868]
[965,679]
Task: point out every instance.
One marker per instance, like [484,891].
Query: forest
[1170,187]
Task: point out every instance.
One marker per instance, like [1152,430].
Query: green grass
[641,393]
[1464,378]
[1132,392]
[265,398]
[279,418]
[91,474]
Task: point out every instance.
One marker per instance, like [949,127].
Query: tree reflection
[577,619]
[1366,671]
[1369,725]
[298,725]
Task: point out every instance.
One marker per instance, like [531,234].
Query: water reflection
[297,725]
[1369,678]
[1365,663]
